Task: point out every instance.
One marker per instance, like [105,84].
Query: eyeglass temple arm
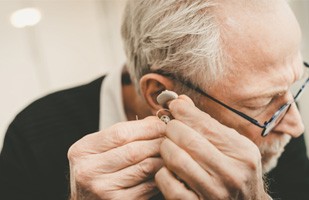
[243,115]
[191,86]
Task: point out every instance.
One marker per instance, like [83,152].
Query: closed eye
[258,106]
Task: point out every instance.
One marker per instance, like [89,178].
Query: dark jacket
[34,164]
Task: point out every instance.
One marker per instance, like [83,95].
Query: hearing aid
[166,96]
[164,114]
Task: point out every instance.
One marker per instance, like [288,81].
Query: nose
[291,123]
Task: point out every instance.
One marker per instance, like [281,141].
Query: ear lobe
[151,86]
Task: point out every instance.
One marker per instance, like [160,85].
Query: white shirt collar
[111,100]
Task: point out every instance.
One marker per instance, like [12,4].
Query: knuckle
[131,154]
[81,173]
[76,150]
[119,133]
[158,125]
[153,123]
[100,190]
[249,153]
[94,188]
[146,168]
[148,187]
[238,183]
[253,165]
[192,142]
[73,153]
[253,158]
[177,159]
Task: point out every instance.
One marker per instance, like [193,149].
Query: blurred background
[47,45]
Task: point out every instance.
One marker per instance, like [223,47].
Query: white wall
[76,41]
[301,10]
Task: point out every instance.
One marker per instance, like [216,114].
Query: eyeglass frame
[268,125]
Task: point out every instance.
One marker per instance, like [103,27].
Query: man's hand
[206,160]
[117,163]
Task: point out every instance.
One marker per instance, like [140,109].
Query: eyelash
[256,108]
[256,111]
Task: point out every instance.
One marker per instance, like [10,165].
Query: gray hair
[175,36]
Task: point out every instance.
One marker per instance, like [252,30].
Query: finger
[143,191]
[208,156]
[182,164]
[126,155]
[171,187]
[134,175]
[189,114]
[118,135]
[217,133]
[186,99]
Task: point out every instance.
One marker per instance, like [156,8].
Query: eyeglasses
[268,125]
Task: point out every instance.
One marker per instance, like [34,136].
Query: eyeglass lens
[276,118]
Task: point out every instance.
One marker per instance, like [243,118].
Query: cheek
[250,131]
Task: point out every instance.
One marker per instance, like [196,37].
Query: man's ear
[151,86]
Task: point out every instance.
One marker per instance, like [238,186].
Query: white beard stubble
[271,152]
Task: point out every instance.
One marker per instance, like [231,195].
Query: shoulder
[74,110]
[37,141]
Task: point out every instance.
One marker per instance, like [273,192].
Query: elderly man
[233,62]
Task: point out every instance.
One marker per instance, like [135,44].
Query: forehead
[261,44]
[265,34]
